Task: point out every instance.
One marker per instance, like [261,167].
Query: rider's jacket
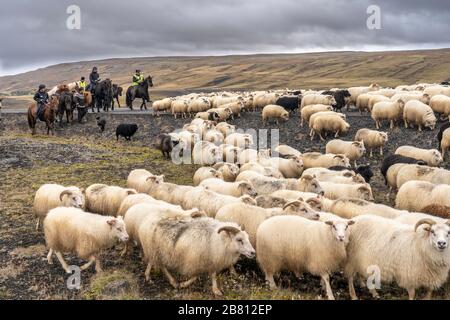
[41,97]
[93,77]
[82,85]
[138,79]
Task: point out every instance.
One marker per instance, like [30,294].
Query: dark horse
[49,115]
[103,95]
[140,91]
[66,105]
[117,92]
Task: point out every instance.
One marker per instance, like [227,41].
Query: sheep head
[339,229]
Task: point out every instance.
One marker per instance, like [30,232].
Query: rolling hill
[176,75]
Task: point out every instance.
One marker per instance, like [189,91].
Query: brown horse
[50,112]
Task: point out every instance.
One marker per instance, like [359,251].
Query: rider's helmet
[138,71]
[82,78]
[94,69]
[41,86]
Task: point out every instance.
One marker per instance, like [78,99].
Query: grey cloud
[36,32]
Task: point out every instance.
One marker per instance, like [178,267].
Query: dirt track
[79,154]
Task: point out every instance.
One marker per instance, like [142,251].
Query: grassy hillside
[175,75]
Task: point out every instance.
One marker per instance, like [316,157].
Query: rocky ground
[80,155]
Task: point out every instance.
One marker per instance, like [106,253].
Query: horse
[103,95]
[140,91]
[117,92]
[62,88]
[50,111]
[65,105]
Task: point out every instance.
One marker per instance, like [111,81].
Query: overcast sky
[34,33]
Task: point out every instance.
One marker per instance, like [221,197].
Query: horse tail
[128,99]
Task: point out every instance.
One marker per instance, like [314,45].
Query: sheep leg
[406,124]
[171,279]
[420,127]
[351,288]
[88,264]
[49,256]
[62,261]
[187,283]
[428,295]
[371,153]
[271,281]
[374,293]
[337,134]
[392,125]
[147,272]
[312,135]
[381,151]
[326,279]
[411,293]
[98,265]
[38,223]
[321,138]
[215,287]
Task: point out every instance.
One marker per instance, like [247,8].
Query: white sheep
[266,171]
[441,104]
[50,196]
[250,217]
[229,171]
[192,247]
[387,110]
[239,140]
[353,150]
[267,185]
[372,139]
[235,189]
[297,244]
[133,199]
[431,156]
[287,151]
[316,159]
[308,111]
[289,168]
[204,173]
[171,193]
[352,207]
[445,143]
[104,199]
[276,112]
[328,123]
[430,194]
[416,112]
[206,153]
[225,128]
[335,191]
[142,180]
[230,153]
[311,99]
[85,234]
[422,173]
[413,257]
[214,136]
[314,200]
[209,201]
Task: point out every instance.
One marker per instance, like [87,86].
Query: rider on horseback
[82,84]
[94,78]
[41,97]
[138,78]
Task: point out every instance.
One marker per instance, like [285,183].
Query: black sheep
[364,170]
[101,123]
[290,103]
[339,96]
[444,127]
[394,159]
[126,131]
[165,144]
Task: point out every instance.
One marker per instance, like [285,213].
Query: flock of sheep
[300,212]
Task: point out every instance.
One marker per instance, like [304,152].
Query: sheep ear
[350,222]
[131,191]
[198,214]
[65,192]
[111,222]
[152,178]
[83,190]
[330,223]
[229,229]
[300,199]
